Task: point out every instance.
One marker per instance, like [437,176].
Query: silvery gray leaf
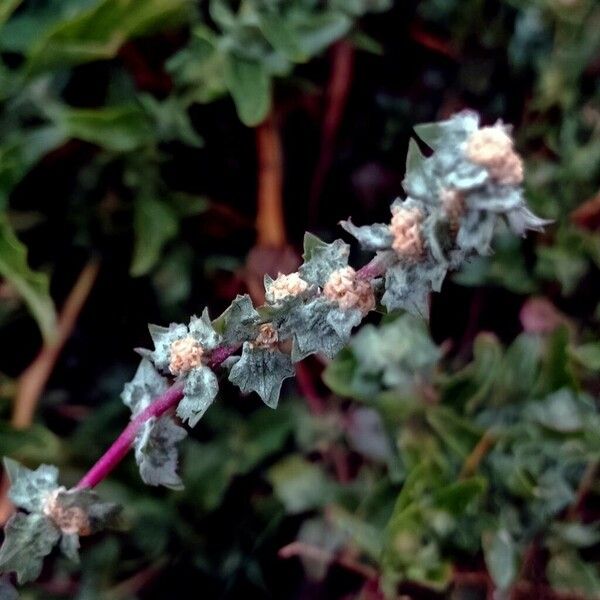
[476,232]
[147,384]
[522,219]
[371,237]
[69,546]
[418,180]
[239,322]
[343,321]
[201,329]
[495,198]
[409,286]
[156,452]
[322,259]
[27,540]
[465,176]
[29,489]
[262,370]
[200,389]
[449,133]
[401,352]
[311,331]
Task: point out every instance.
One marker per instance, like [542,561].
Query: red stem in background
[338,89]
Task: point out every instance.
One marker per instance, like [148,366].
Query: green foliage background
[125,133]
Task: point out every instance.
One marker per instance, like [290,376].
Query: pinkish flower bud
[349,291]
[285,286]
[186,353]
[267,337]
[69,520]
[492,148]
[406,229]
[453,205]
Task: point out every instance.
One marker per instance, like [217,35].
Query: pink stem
[121,446]
[376,267]
[221,354]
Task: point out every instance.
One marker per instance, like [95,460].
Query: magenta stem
[121,446]
[221,354]
[376,267]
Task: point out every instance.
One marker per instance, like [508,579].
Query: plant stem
[270,225]
[376,267]
[338,89]
[221,354]
[121,446]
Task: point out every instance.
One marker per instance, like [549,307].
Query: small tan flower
[286,286]
[69,520]
[406,229]
[492,148]
[453,205]
[186,353]
[267,337]
[349,291]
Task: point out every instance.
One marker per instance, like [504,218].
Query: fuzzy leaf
[155,444]
[417,178]
[409,286]
[449,133]
[522,220]
[319,326]
[371,237]
[250,87]
[262,370]
[201,329]
[476,232]
[201,387]
[155,223]
[401,351]
[587,355]
[29,488]
[115,128]
[239,322]
[97,31]
[321,259]
[31,285]
[27,540]
[501,557]
[145,386]
[156,452]
[69,546]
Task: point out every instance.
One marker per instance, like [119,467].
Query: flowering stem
[121,446]
[376,267]
[219,355]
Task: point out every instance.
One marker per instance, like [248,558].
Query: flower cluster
[455,200]
[51,515]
